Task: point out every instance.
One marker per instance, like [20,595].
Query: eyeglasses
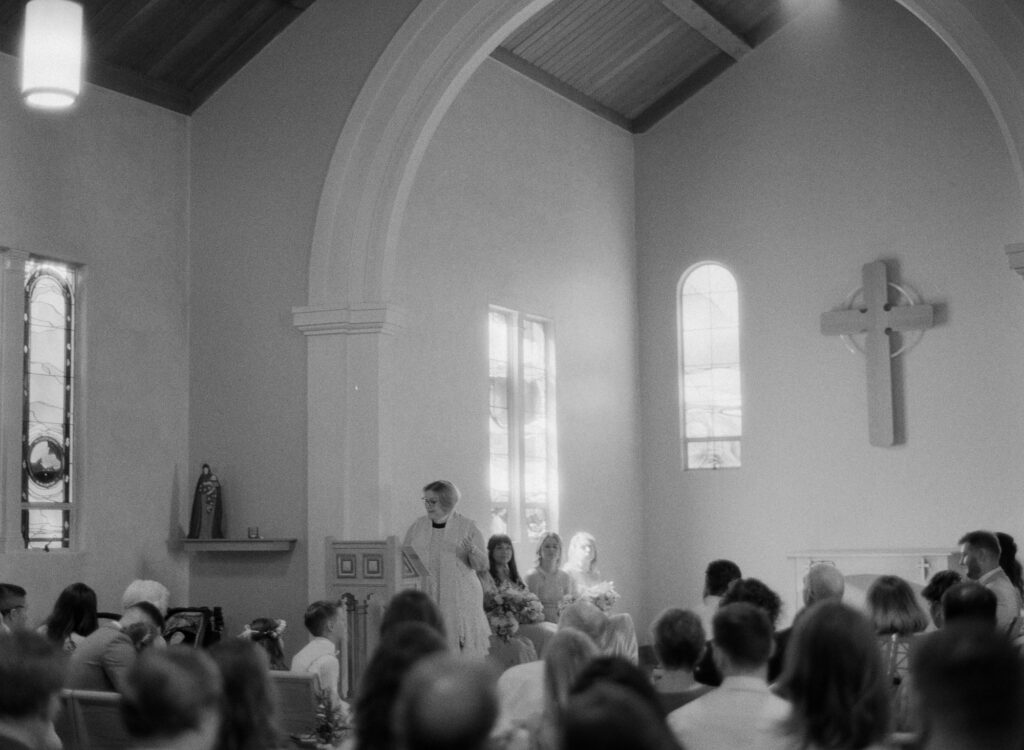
[430,502]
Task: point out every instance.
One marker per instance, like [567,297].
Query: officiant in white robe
[452,549]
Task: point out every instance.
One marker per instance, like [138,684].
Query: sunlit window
[47,428]
[710,402]
[523,466]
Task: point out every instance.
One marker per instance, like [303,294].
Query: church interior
[292,283]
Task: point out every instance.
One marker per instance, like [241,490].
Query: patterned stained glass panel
[47,424]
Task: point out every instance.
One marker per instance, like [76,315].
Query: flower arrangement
[602,595]
[508,608]
[332,724]
[258,633]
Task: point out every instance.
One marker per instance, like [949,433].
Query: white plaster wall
[526,201]
[106,185]
[261,147]
[850,136]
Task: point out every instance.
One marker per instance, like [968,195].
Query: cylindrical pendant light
[51,56]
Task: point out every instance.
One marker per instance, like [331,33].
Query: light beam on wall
[51,56]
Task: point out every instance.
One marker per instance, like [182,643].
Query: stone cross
[877,318]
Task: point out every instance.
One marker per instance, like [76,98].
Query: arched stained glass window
[46,398]
[710,401]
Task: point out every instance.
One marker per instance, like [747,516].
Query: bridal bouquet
[507,608]
[602,595]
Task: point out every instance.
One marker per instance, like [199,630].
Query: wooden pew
[296,696]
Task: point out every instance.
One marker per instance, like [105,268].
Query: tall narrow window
[523,467]
[710,403]
[46,499]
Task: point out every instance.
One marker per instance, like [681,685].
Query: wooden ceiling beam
[709,27]
[704,75]
[561,88]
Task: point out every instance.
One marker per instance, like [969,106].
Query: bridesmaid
[547,580]
[582,564]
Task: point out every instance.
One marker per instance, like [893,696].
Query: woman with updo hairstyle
[547,580]
[452,549]
[835,682]
[582,562]
[267,633]
[896,617]
[73,617]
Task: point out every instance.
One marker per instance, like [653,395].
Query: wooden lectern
[364,576]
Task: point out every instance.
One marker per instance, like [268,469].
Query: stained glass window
[710,401]
[523,473]
[46,500]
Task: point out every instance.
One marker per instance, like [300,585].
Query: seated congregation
[892,675]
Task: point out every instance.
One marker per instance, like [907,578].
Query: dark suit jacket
[101,661]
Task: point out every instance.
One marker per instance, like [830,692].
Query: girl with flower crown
[266,633]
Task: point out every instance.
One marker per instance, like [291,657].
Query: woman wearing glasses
[452,549]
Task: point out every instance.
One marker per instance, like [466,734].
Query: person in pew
[102,660]
[325,622]
[1008,560]
[743,711]
[834,679]
[969,600]
[823,582]
[31,676]
[172,700]
[615,669]
[268,634]
[609,716]
[248,708]
[679,642]
[446,703]
[13,607]
[979,554]
[969,685]
[749,590]
[452,549]
[932,593]
[401,647]
[412,605]
[897,618]
[73,617]
[547,580]
[532,696]
[717,577]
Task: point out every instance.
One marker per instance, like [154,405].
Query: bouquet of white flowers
[602,595]
[508,607]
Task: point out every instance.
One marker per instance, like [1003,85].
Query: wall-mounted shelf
[238,545]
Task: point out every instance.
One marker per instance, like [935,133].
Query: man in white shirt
[740,712]
[324,620]
[979,553]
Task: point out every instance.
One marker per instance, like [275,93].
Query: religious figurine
[207,509]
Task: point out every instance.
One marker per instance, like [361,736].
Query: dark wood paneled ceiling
[173,53]
[630,61]
[634,61]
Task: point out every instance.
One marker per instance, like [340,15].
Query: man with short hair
[969,600]
[979,554]
[31,676]
[743,710]
[969,681]
[103,659]
[13,607]
[324,621]
[447,703]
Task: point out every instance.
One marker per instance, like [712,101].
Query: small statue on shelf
[207,508]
